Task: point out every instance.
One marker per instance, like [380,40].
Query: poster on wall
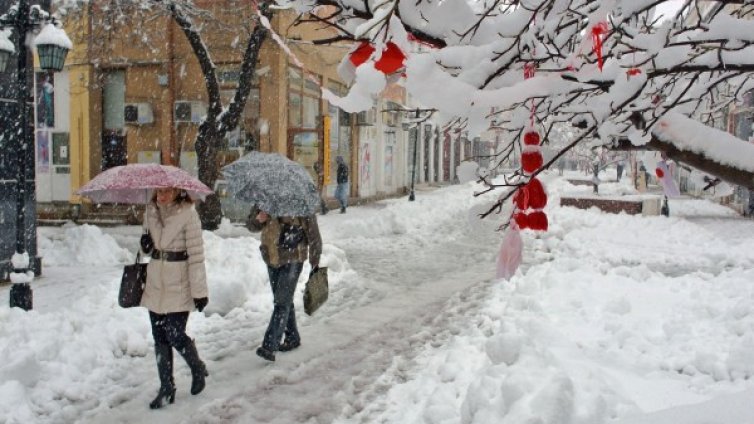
[45,99]
[388,166]
[43,151]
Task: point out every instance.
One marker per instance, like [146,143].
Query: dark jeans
[283,281]
[170,329]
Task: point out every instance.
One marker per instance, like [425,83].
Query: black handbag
[316,291]
[132,283]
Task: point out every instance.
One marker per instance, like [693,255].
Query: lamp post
[52,45]
[409,126]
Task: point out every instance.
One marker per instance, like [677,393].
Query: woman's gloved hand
[200,303]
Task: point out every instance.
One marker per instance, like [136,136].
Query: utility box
[651,206]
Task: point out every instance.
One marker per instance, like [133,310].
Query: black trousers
[170,329]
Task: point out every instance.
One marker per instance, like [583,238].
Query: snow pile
[84,244]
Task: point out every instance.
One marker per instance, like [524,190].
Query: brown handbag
[132,283]
[316,291]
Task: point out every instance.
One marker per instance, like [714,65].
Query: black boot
[198,369]
[166,394]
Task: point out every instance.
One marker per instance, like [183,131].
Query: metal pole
[21,295]
[412,195]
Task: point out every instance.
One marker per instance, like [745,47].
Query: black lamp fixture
[26,21]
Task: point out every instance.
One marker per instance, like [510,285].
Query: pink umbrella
[132,183]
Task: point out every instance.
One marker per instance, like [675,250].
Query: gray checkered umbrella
[274,183]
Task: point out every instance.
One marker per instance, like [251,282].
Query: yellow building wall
[159,47]
[80,114]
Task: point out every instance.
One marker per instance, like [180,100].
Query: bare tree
[615,70]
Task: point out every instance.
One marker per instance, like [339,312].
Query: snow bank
[603,299]
[82,245]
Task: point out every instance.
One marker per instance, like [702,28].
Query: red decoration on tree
[521,198]
[531,160]
[391,60]
[529,70]
[633,71]
[597,32]
[361,54]
[536,194]
[531,138]
[537,221]
[522,220]
[659,172]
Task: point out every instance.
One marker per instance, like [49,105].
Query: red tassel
[597,32]
[633,71]
[537,221]
[532,138]
[529,70]
[536,193]
[531,161]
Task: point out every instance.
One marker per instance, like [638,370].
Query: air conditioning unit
[367,117]
[138,113]
[190,111]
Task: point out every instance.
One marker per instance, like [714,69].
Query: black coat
[342,173]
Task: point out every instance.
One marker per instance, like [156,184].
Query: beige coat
[172,286]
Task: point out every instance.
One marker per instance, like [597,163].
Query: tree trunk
[207,142]
[217,124]
[699,161]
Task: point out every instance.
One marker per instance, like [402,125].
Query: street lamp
[52,46]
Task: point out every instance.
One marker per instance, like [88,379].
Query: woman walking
[176,284]
[286,243]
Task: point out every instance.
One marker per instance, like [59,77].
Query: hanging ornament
[536,194]
[537,221]
[522,220]
[521,198]
[391,60]
[530,68]
[597,32]
[531,160]
[532,138]
[633,71]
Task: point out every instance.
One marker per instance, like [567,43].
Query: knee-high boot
[166,394]
[198,369]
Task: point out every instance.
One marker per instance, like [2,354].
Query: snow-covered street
[612,318]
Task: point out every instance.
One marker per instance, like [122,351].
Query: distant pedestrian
[561,166]
[321,186]
[619,169]
[341,192]
[286,242]
[176,285]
